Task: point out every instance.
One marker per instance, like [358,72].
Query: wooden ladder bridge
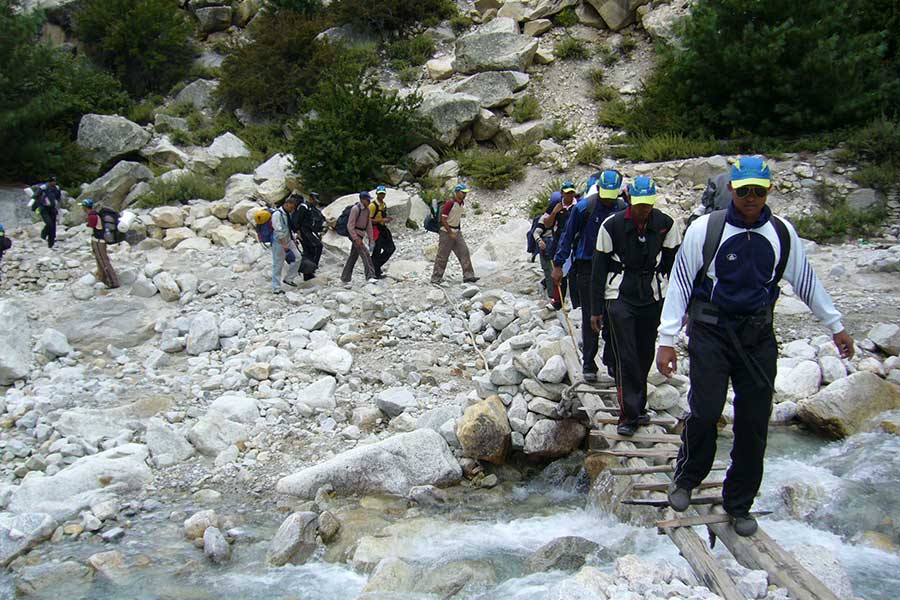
[647,463]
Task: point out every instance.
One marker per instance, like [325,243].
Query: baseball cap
[381,190]
[461,188]
[567,186]
[643,191]
[749,170]
[87,203]
[314,194]
[609,184]
[1,229]
[365,195]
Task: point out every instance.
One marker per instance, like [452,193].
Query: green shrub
[415,51]
[604,93]
[743,66]
[666,146]
[613,114]
[189,187]
[571,48]
[560,131]
[144,43]
[491,169]
[566,17]
[881,177]
[839,221]
[43,94]
[460,23]
[408,75]
[627,46]
[589,153]
[307,8]
[538,205]
[607,55]
[359,127]
[391,16]
[145,111]
[595,76]
[526,108]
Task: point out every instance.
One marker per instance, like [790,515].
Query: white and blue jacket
[740,278]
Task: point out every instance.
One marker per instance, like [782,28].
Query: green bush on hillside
[526,108]
[307,8]
[391,16]
[750,66]
[144,43]
[358,128]
[43,94]
[413,51]
[571,48]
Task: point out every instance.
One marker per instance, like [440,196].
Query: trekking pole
[565,312]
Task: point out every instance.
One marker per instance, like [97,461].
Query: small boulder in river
[552,439]
[392,466]
[842,408]
[483,431]
[295,540]
[562,554]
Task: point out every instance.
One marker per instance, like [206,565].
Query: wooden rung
[702,520]
[640,453]
[604,409]
[619,471]
[664,502]
[662,487]
[583,388]
[639,438]
[663,421]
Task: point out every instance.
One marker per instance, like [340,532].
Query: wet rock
[215,546]
[45,580]
[460,577]
[328,525]
[562,554]
[88,480]
[295,540]
[552,439]
[822,563]
[110,566]
[16,356]
[392,466]
[483,431]
[391,575]
[842,408]
[22,532]
[197,524]
[394,401]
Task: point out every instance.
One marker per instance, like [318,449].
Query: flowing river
[824,494]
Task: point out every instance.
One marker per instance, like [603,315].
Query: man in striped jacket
[727,282]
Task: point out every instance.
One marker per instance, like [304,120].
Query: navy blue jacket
[578,225]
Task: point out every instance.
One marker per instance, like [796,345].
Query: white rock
[799,349]
[167,217]
[203,335]
[215,546]
[832,368]
[887,337]
[167,446]
[143,287]
[197,524]
[228,145]
[16,356]
[167,286]
[394,401]
[331,359]
[319,394]
[213,433]
[754,584]
[53,343]
[295,540]
[554,371]
[663,397]
[236,407]
[800,382]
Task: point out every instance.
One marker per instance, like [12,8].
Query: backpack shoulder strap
[591,207]
[784,241]
[715,226]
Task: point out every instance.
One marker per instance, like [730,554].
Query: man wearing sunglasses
[727,282]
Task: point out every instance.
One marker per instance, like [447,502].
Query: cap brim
[643,199]
[465,190]
[608,193]
[567,190]
[738,183]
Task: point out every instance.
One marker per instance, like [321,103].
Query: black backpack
[110,221]
[433,221]
[341,226]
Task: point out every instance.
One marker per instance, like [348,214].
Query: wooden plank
[702,520]
[708,570]
[619,471]
[663,421]
[586,388]
[662,487]
[639,453]
[759,551]
[663,502]
[640,438]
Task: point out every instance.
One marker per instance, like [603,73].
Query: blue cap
[1,228]
[749,170]
[87,203]
[381,190]
[567,186]
[609,184]
[365,195]
[461,188]
[642,191]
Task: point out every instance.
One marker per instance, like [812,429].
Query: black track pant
[713,360]
[384,248]
[49,231]
[589,338]
[632,335]
[312,251]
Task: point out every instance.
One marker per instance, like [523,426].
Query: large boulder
[865,199]
[397,202]
[228,145]
[484,432]
[124,323]
[502,248]
[161,151]
[110,136]
[617,14]
[392,466]
[213,18]
[199,93]
[422,158]
[272,176]
[495,89]
[553,439]
[842,408]
[16,356]
[450,113]
[167,217]
[887,337]
[111,188]
[87,481]
[494,51]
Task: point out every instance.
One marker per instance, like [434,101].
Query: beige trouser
[105,272]
[446,245]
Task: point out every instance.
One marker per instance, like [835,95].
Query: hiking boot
[644,419]
[744,525]
[278,291]
[552,305]
[435,282]
[626,429]
[290,283]
[471,279]
[590,376]
[679,498]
